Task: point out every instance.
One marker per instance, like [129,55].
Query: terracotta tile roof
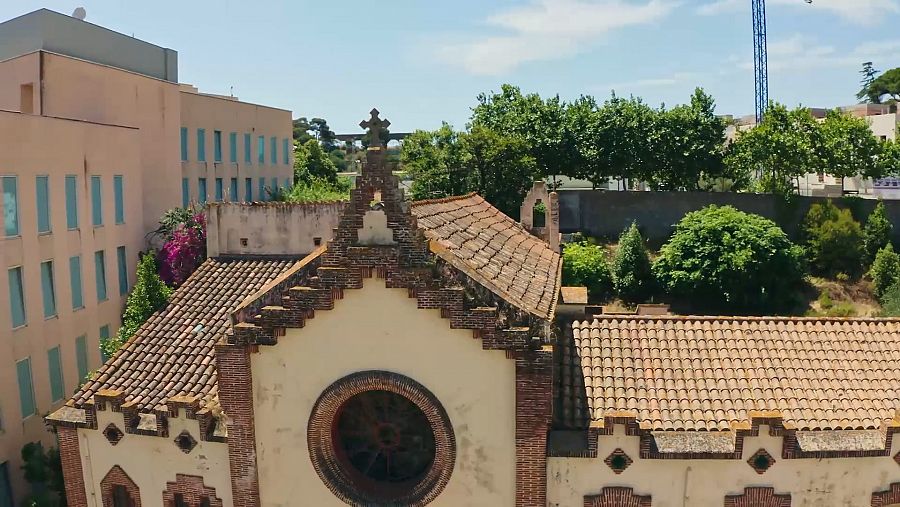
[574,295]
[687,373]
[173,353]
[492,249]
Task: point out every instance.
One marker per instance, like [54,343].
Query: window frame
[58,380]
[44,216]
[49,282]
[201,145]
[96,200]
[122,264]
[217,145]
[185,154]
[232,147]
[100,276]
[76,273]
[20,272]
[119,198]
[22,405]
[71,202]
[16,222]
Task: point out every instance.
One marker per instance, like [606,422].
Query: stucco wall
[151,461]
[381,329]
[16,72]
[705,483]
[269,229]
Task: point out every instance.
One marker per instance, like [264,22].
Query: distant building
[90,121]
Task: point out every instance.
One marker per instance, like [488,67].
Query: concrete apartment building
[97,140]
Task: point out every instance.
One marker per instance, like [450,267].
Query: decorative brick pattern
[618,461]
[889,497]
[236,398]
[533,414]
[758,497]
[332,471]
[192,491]
[761,461]
[113,433]
[117,477]
[73,474]
[617,497]
[186,442]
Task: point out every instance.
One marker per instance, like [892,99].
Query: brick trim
[117,477]
[617,497]
[758,497]
[889,497]
[534,398]
[332,471]
[192,488]
[236,398]
[73,474]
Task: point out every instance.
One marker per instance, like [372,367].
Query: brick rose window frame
[889,497]
[331,468]
[758,497]
[192,490]
[617,497]
[117,477]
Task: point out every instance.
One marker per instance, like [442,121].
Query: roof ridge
[440,200]
[741,318]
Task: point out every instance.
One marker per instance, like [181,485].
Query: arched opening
[539,214]
[617,497]
[118,490]
[758,497]
[189,491]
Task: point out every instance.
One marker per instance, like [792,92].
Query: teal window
[201,190]
[6,495]
[16,297]
[274,185]
[248,189]
[287,183]
[232,190]
[122,261]
[247,157]
[104,336]
[184,144]
[232,147]
[261,149]
[273,150]
[119,194]
[26,388]
[201,145]
[48,289]
[285,151]
[100,273]
[217,145]
[71,201]
[57,385]
[262,189]
[96,201]
[42,195]
[81,357]
[185,193]
[75,282]
[10,205]
[220,190]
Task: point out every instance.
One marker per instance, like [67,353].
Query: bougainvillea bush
[183,250]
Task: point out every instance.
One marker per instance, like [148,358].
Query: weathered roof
[492,249]
[696,373]
[173,353]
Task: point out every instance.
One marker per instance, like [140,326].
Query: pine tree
[869,73]
[877,233]
[632,273]
[149,294]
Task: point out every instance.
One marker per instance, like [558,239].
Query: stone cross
[375,126]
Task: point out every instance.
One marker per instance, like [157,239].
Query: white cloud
[674,79]
[799,53]
[864,12]
[548,30]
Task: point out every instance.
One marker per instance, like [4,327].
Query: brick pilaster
[533,413]
[236,397]
[73,474]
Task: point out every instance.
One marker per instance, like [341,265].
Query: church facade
[420,358]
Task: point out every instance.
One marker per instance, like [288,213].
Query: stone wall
[604,214]
[269,228]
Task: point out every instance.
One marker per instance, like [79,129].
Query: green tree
[848,148]
[625,140]
[148,295]
[318,190]
[723,260]
[433,159]
[834,240]
[877,233]
[869,73]
[43,471]
[585,265]
[889,159]
[301,130]
[498,167]
[885,270]
[311,161]
[887,84]
[322,132]
[890,301]
[632,272]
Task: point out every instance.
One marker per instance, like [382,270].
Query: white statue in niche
[375,231]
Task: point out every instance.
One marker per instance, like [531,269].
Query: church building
[427,355]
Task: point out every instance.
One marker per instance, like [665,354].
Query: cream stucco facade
[705,483]
[376,328]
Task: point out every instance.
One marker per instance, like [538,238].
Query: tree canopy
[886,85]
[848,147]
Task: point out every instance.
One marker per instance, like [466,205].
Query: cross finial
[375,126]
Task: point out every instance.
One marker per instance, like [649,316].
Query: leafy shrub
[825,301]
[724,260]
[585,265]
[885,270]
[877,233]
[184,250]
[890,301]
[43,471]
[631,270]
[834,240]
[320,190]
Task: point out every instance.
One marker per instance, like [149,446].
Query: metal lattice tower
[760,58]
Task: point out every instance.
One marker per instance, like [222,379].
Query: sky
[422,62]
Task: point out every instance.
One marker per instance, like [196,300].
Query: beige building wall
[208,459]
[380,328]
[32,146]
[17,73]
[227,116]
[847,482]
